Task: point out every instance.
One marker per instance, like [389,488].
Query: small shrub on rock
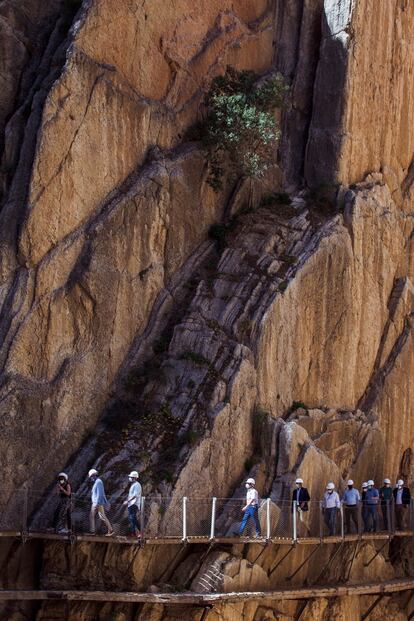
[240,131]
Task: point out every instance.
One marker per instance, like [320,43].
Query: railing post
[360,510]
[184,518]
[295,524]
[141,516]
[213,517]
[25,508]
[321,523]
[341,509]
[268,518]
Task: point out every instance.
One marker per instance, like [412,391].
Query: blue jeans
[133,517]
[371,516]
[252,511]
[330,519]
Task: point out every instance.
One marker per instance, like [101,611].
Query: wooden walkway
[383,588]
[202,540]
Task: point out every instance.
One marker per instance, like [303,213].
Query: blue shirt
[98,493]
[372,496]
[351,497]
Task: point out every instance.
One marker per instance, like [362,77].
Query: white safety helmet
[251,481]
[370,483]
[133,475]
[387,481]
[350,482]
[364,485]
[400,482]
[299,481]
[92,472]
[330,485]
[62,475]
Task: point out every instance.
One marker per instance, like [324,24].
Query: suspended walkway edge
[206,540]
[384,588]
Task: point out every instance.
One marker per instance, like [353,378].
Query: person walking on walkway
[364,511]
[330,506]
[402,499]
[371,500]
[386,499]
[63,514]
[134,502]
[99,501]
[251,508]
[300,500]
[350,500]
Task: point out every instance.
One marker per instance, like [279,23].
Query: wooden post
[213,517]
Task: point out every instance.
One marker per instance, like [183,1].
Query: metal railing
[208,518]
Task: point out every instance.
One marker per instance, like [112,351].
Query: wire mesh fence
[180,518]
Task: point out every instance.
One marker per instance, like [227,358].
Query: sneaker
[110,533]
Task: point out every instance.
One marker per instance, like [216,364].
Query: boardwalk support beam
[304,562]
[281,560]
[372,607]
[376,554]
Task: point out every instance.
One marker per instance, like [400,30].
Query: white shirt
[398,500]
[134,490]
[331,500]
[252,496]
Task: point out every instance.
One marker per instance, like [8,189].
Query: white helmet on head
[299,480]
[350,482]
[387,481]
[400,482]
[251,481]
[370,483]
[364,485]
[62,475]
[330,485]
[92,472]
[133,475]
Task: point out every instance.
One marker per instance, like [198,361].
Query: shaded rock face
[82,210]
[131,339]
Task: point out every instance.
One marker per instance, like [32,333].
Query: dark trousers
[351,514]
[63,515]
[371,518]
[330,519]
[400,513]
[385,515]
[252,512]
[133,518]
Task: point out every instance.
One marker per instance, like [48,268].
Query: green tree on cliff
[240,130]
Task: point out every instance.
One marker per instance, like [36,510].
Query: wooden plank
[211,598]
[202,540]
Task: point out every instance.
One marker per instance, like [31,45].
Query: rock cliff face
[131,338]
